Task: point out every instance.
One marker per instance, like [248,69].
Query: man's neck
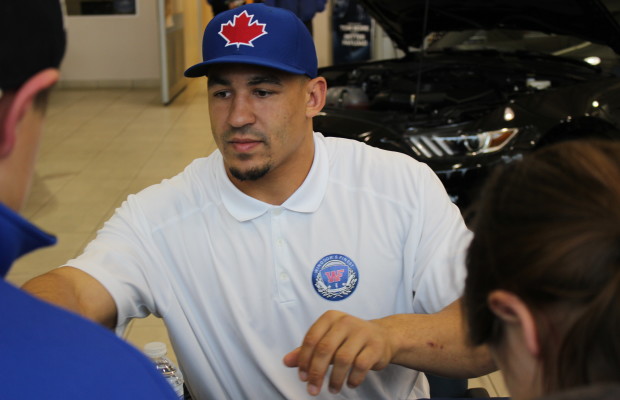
[277,185]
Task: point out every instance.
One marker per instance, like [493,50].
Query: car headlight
[446,145]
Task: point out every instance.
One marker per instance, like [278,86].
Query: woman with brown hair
[543,284]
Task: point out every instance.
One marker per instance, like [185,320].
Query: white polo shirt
[238,282]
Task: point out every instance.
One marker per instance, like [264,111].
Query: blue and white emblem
[335,277]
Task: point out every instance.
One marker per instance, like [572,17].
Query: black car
[480,83]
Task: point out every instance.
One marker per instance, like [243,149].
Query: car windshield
[524,41]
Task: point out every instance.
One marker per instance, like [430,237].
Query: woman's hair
[547,229]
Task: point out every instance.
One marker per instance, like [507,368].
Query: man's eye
[221,94]
[262,93]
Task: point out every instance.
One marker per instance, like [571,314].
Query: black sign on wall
[351,36]
[100,7]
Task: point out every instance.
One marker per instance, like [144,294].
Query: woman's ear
[515,314]
[317,91]
[15,106]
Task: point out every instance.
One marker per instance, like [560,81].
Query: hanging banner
[351,37]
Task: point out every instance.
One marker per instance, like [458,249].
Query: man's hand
[352,345]
[433,343]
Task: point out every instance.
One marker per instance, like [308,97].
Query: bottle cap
[155,349]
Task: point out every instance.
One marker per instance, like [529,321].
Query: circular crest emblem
[335,277]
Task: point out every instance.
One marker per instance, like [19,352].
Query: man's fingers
[364,362]
[323,355]
[291,360]
[315,334]
[364,350]
[343,360]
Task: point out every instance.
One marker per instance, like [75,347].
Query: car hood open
[408,22]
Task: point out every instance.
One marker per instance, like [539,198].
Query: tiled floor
[101,145]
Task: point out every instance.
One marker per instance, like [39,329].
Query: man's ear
[317,90]
[16,105]
[514,313]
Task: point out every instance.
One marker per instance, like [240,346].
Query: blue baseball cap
[258,34]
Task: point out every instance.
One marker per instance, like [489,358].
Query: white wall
[123,51]
[322,32]
[113,50]
[197,14]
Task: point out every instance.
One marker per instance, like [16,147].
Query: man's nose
[241,112]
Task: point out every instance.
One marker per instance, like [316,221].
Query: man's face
[258,118]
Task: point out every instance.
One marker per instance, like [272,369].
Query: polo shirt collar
[306,198]
[18,237]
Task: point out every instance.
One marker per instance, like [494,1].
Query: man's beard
[252,174]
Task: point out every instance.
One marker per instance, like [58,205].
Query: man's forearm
[76,291]
[436,343]
[54,289]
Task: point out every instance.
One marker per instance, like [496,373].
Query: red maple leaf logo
[241,30]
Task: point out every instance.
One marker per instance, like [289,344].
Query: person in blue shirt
[46,352]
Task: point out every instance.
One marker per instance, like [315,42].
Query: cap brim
[202,69]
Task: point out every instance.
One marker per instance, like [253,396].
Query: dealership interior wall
[124,50]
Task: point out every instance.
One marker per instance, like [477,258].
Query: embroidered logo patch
[242,30]
[335,277]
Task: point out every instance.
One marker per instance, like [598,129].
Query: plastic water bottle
[157,352]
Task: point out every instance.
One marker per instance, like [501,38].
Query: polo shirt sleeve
[440,239]
[125,260]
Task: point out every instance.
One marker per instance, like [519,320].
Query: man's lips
[244,145]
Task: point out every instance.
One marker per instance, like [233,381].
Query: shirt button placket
[283,281]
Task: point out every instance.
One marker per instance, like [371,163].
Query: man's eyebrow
[216,80]
[252,81]
[260,79]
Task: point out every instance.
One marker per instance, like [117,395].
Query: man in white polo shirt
[284,255]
